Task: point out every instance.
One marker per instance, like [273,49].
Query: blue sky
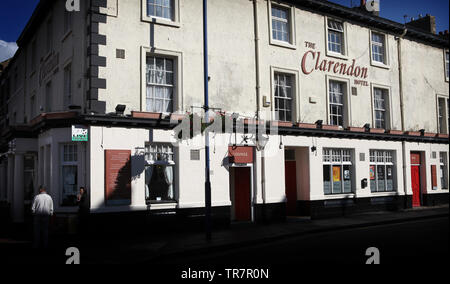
[14,15]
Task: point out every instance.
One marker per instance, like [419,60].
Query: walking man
[42,209]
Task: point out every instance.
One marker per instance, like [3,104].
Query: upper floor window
[335,36]
[381,108]
[160,8]
[160,84]
[337,103]
[67,21]
[49,36]
[68,85]
[48,97]
[446,65]
[283,96]
[443,115]
[281,27]
[33,56]
[378,48]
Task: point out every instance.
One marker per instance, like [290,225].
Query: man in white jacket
[42,209]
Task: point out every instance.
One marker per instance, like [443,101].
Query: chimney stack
[427,24]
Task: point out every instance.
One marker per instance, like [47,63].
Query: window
[49,36]
[33,56]
[281,24]
[378,48]
[335,36]
[283,96]
[69,174]
[337,103]
[159,173]
[381,171]
[160,84]
[446,65]
[160,8]
[337,171]
[443,115]
[67,86]
[67,21]
[443,169]
[48,97]
[33,105]
[381,108]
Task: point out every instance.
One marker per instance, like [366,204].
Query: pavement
[150,248]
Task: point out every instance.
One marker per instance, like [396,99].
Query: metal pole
[206,107]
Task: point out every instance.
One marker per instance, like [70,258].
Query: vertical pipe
[258,103]
[206,108]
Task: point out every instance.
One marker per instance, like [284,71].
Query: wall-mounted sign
[48,67]
[80,133]
[240,154]
[312,61]
[118,177]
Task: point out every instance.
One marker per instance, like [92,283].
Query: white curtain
[168,173]
[148,178]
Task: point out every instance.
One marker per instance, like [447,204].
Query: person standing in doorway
[42,210]
[83,211]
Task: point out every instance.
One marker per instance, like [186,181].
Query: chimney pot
[363,3]
[446,32]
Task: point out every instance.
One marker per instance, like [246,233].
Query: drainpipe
[258,104]
[402,113]
[206,108]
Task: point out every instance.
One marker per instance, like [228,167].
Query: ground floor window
[443,170]
[159,173]
[382,171]
[69,174]
[337,171]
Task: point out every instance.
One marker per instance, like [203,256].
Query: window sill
[282,44]
[66,35]
[340,196]
[336,55]
[155,205]
[161,21]
[384,193]
[379,65]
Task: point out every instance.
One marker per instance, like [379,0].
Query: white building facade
[359,107]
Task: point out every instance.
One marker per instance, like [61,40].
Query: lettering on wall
[312,61]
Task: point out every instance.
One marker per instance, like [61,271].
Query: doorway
[290,179]
[415,179]
[241,197]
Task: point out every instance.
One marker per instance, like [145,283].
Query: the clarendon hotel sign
[312,61]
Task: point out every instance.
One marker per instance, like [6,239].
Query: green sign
[79,133]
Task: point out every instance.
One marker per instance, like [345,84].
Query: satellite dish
[373,6]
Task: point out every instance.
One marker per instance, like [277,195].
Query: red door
[415,183]
[242,199]
[290,177]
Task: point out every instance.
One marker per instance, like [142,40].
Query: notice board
[118,177]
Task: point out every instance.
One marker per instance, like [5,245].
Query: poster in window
[347,174]
[372,172]
[336,173]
